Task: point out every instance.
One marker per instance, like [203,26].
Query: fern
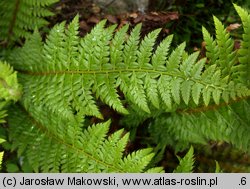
[9,90]
[221,50]
[66,78]
[19,17]
[53,144]
[227,123]
[9,87]
[244,57]
[186,163]
[221,122]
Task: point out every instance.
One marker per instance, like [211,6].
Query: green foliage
[227,123]
[74,71]
[221,50]
[67,79]
[244,56]
[9,87]
[9,90]
[1,153]
[53,144]
[217,168]
[186,163]
[2,112]
[19,17]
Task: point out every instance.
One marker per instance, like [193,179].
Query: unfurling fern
[65,78]
[19,17]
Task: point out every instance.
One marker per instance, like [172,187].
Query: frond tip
[187,163]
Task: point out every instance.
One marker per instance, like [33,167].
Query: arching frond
[70,74]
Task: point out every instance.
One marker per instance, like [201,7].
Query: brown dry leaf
[173,15]
[95,9]
[122,23]
[162,16]
[236,44]
[139,18]
[233,26]
[133,15]
[165,30]
[84,26]
[93,19]
[112,19]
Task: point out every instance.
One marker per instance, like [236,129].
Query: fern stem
[121,71]
[210,107]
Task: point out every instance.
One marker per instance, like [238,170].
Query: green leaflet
[217,168]
[9,87]
[186,163]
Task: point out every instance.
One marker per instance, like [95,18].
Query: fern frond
[186,164]
[220,51]
[228,123]
[244,51]
[52,143]
[70,74]
[18,17]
